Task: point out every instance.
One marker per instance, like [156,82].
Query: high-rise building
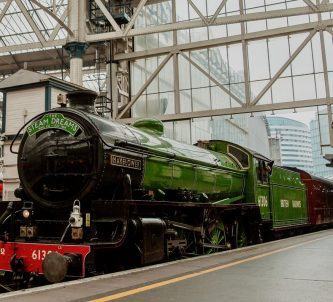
[295,142]
[251,132]
[319,137]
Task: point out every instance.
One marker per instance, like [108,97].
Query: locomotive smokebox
[83,100]
[61,158]
[56,266]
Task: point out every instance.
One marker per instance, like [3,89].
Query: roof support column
[77,45]
[175,62]
[76,51]
[114,89]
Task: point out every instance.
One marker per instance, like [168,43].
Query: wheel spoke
[241,239]
[215,236]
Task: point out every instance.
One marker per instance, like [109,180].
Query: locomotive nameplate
[125,162]
[54,121]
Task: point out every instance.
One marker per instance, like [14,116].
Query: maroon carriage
[320,198]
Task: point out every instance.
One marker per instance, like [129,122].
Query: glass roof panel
[16,30]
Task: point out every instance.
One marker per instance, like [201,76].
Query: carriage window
[263,170]
[240,156]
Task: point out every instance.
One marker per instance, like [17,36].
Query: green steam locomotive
[93,190]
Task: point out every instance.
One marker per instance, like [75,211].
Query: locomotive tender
[98,196]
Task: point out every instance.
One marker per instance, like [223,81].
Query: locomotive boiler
[68,154]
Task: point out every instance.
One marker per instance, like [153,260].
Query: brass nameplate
[125,162]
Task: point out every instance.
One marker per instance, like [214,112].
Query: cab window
[263,170]
[239,155]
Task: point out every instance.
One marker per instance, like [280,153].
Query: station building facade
[295,142]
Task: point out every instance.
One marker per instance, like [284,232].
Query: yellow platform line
[200,273]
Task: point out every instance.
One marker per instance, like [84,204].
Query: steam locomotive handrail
[85,140]
[7,212]
[29,121]
[19,132]
[146,151]
[188,204]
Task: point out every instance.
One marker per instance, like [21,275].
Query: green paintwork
[176,165]
[151,125]
[262,198]
[282,184]
[259,191]
[229,200]
[217,171]
[289,205]
[226,172]
[54,121]
[281,198]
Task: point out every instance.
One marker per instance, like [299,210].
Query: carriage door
[263,171]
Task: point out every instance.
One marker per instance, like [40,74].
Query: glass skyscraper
[295,142]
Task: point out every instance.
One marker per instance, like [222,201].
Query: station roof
[30,37]
[52,59]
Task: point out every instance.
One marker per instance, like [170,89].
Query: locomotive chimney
[83,100]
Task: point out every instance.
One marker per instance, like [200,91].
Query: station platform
[294,269]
